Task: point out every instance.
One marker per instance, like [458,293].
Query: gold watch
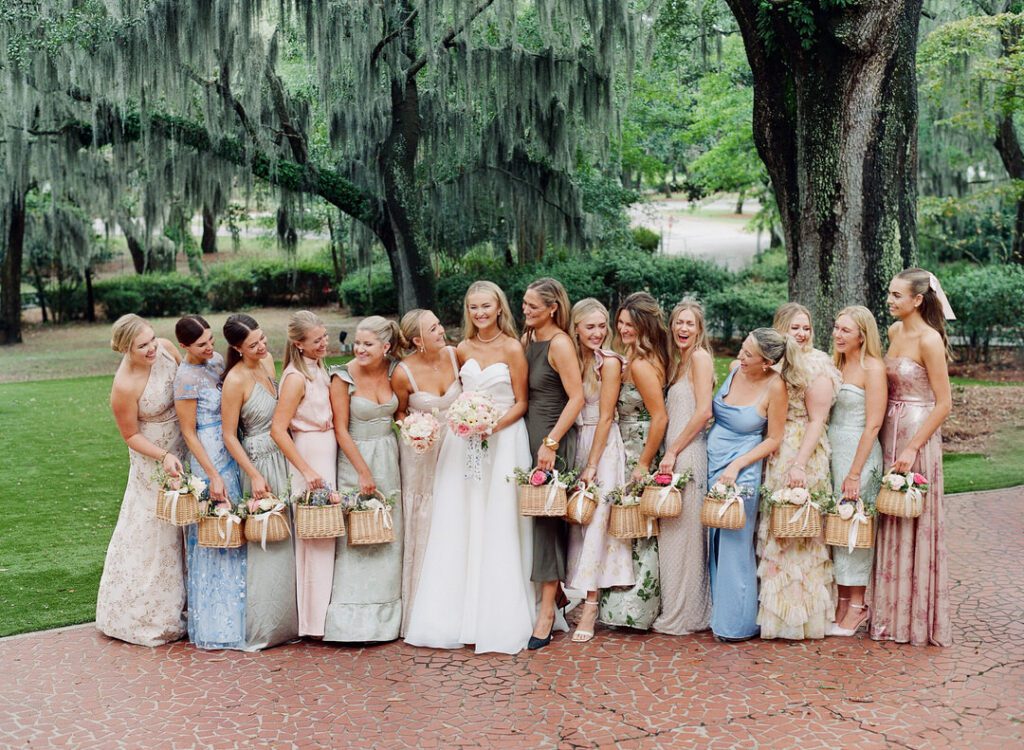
[547,442]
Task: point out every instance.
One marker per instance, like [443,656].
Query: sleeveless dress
[911,579]
[797,592]
[682,541]
[636,606]
[312,430]
[547,400]
[597,560]
[731,564]
[366,601]
[475,584]
[418,484]
[142,590]
[271,617]
[844,430]
[216,577]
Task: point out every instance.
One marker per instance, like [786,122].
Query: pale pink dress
[597,560]
[312,429]
[910,598]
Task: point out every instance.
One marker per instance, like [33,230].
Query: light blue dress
[216,577]
[731,561]
[845,427]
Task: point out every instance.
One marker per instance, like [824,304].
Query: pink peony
[253,505]
[919,479]
[663,480]
[538,478]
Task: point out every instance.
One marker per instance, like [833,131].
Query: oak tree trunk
[1008,145]
[10,272]
[209,241]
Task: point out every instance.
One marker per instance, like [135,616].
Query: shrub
[646,239]
[740,308]
[271,281]
[370,291]
[151,295]
[989,305]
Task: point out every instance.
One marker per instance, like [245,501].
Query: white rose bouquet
[419,430]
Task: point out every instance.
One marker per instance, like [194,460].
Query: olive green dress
[547,401]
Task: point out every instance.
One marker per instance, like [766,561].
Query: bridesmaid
[911,578]
[216,577]
[248,400]
[597,560]
[426,380]
[142,589]
[643,339]
[555,399]
[366,601]
[796,573]
[682,541]
[303,430]
[751,399]
[856,455]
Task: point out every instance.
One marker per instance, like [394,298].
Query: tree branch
[222,87]
[449,37]
[391,37]
[296,140]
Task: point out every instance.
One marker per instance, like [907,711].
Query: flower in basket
[539,478]
[798,495]
[895,482]
[473,415]
[846,510]
[318,497]
[664,479]
[721,491]
[263,505]
[223,508]
[353,499]
[905,482]
[419,430]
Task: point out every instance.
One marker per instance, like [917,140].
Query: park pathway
[74,688]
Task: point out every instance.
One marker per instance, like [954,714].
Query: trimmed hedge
[989,306]
[151,295]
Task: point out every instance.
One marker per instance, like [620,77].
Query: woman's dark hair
[189,328]
[236,330]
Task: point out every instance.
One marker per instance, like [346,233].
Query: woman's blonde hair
[505,323]
[871,342]
[679,368]
[582,309]
[920,282]
[782,351]
[411,326]
[299,325]
[551,292]
[125,330]
[784,318]
[651,334]
[386,331]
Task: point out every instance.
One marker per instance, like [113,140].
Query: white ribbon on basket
[553,490]
[731,500]
[228,518]
[580,497]
[380,511]
[859,517]
[264,518]
[910,498]
[663,495]
[805,513]
[174,495]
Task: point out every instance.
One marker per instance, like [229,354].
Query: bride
[475,583]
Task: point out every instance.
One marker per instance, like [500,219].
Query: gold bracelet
[549,442]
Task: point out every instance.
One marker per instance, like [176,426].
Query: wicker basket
[735,517]
[672,507]
[786,524]
[627,522]
[533,501]
[319,521]
[184,512]
[220,532]
[896,503]
[837,532]
[276,525]
[581,506]
[368,527]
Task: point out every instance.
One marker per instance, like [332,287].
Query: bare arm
[232,397]
[125,405]
[403,389]
[518,371]
[649,383]
[187,409]
[290,395]
[703,391]
[611,381]
[340,402]
[933,353]
[567,366]
[818,400]
[777,405]
[876,393]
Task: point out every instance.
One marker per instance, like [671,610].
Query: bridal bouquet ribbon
[473,416]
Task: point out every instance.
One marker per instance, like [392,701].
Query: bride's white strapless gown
[475,583]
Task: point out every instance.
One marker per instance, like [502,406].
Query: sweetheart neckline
[482,369]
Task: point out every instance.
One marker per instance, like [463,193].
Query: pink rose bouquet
[473,415]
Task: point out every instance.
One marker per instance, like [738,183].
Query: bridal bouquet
[473,416]
[177,500]
[419,430]
[267,520]
[902,495]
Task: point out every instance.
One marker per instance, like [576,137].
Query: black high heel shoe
[538,643]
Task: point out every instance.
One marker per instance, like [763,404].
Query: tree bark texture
[1008,145]
[209,241]
[10,272]
[835,121]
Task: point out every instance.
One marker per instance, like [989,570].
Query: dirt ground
[979,412]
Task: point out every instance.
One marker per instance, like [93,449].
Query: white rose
[266,503]
[720,489]
[845,511]
[222,511]
[799,495]
[896,482]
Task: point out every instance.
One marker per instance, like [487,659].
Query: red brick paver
[74,688]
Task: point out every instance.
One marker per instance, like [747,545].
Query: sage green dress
[366,599]
[635,606]
[271,615]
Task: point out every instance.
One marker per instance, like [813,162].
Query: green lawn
[64,474]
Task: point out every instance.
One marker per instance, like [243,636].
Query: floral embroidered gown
[216,577]
[796,596]
[638,605]
[142,591]
[910,603]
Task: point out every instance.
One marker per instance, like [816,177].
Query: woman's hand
[851,487]
[668,463]
[260,488]
[366,484]
[639,472]
[797,476]
[729,474]
[313,480]
[172,465]
[545,458]
[218,492]
[588,475]
[905,461]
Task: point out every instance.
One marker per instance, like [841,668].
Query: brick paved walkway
[74,688]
